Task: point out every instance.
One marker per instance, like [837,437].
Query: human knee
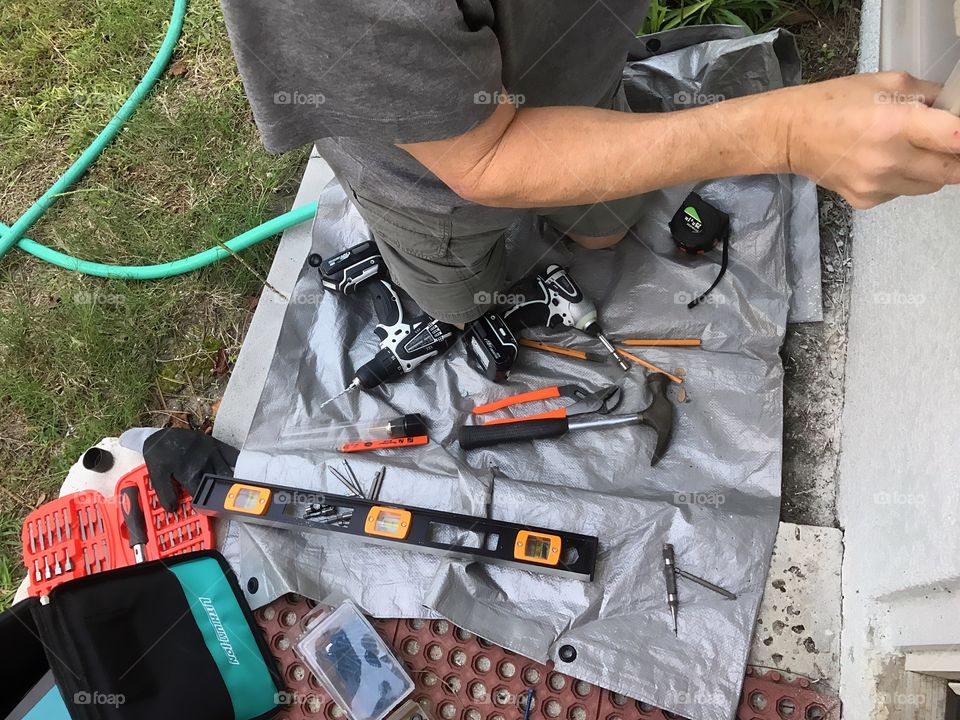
[595,242]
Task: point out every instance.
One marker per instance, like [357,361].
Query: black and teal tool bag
[171,639]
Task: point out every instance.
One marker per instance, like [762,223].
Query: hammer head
[658,415]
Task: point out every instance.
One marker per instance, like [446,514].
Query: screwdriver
[670,575]
[135,522]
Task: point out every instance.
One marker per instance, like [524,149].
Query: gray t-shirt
[358,76]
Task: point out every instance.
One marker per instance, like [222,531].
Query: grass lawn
[82,358]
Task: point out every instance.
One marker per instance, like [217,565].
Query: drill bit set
[85,533]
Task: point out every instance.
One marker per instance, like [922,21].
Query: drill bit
[377,483]
[670,575]
[56,520]
[624,365]
[355,385]
[49,531]
[38,576]
[707,584]
[33,540]
[67,524]
[67,564]
[83,528]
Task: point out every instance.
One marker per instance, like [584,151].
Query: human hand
[872,138]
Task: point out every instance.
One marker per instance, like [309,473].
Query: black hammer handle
[478,436]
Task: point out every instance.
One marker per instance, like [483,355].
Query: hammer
[658,415]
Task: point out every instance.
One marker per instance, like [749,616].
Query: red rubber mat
[459,676]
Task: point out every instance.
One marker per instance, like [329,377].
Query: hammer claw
[658,416]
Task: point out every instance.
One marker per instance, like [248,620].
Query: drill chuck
[383,367]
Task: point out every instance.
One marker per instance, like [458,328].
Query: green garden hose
[14,234]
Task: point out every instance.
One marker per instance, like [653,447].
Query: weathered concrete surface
[798,629]
[899,503]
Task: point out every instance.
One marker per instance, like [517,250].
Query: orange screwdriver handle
[365,445]
[545,394]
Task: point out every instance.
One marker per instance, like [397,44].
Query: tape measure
[697,228]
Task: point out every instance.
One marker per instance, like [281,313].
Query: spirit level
[490,541]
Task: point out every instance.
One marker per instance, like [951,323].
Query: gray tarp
[715,495]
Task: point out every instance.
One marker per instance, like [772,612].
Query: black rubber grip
[133,516]
[478,436]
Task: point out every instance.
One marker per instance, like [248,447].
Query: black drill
[405,342]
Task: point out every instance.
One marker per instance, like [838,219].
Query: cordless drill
[405,342]
[554,299]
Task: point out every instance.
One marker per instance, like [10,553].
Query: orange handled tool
[559,350]
[650,366]
[663,342]
[383,444]
[602,400]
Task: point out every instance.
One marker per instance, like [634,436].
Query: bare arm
[841,134]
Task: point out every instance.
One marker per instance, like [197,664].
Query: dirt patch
[814,354]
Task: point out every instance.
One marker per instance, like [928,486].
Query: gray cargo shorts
[453,265]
